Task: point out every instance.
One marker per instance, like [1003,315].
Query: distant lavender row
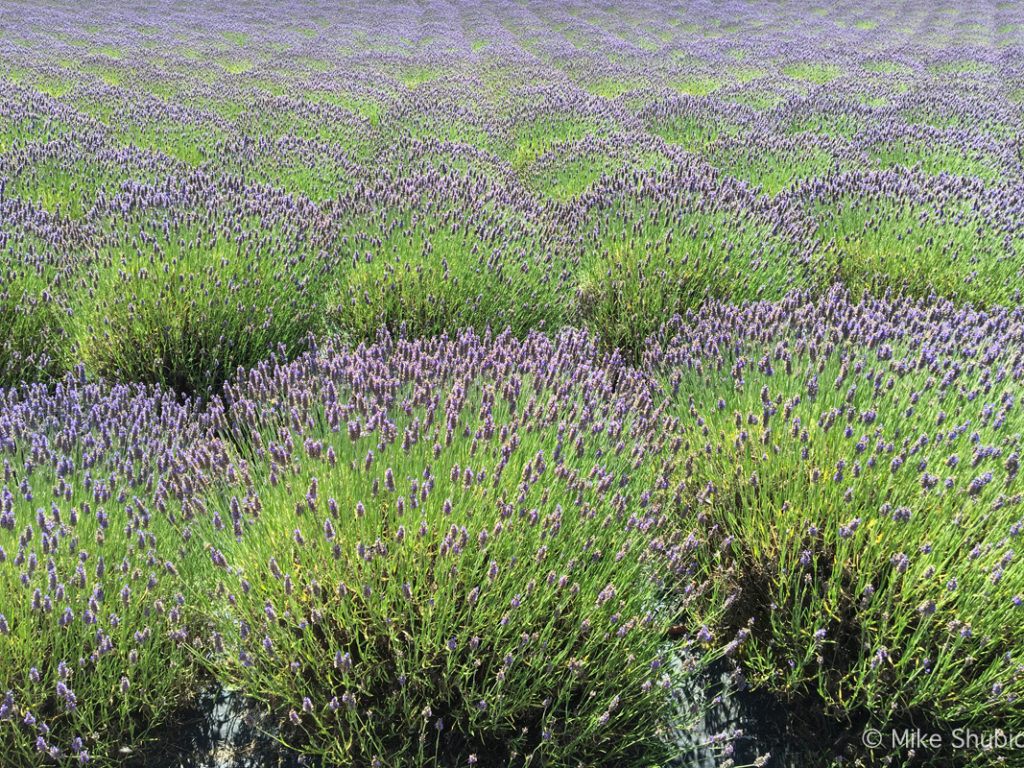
[183,192]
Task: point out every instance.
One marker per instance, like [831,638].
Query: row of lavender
[184,279]
[181,190]
[483,550]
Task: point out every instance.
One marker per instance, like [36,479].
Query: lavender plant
[173,297]
[31,326]
[97,488]
[451,551]
[856,465]
[33,318]
[681,247]
[963,246]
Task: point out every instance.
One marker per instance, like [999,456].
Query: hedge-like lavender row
[181,194]
[425,550]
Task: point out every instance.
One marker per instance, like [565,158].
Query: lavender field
[522,383]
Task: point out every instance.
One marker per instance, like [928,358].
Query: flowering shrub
[96,488]
[857,465]
[449,551]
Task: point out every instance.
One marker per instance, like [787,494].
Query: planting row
[180,282]
[475,549]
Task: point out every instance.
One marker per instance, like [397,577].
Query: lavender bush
[96,493]
[452,551]
[856,468]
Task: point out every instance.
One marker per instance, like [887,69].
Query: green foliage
[427,277]
[648,263]
[880,244]
[935,157]
[812,72]
[506,608]
[772,168]
[190,308]
[33,336]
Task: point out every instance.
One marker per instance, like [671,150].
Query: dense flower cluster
[98,486]
[468,539]
[462,544]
